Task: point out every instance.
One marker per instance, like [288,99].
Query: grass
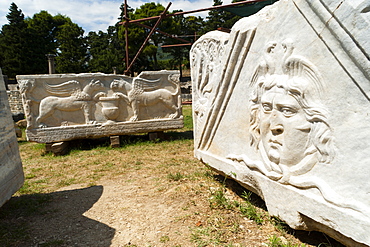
[275,241]
[219,211]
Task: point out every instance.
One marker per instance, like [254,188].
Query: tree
[14,43]
[72,50]
[42,31]
[105,51]
[220,18]
[24,42]
[147,60]
[187,28]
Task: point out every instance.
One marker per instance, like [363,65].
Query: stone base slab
[67,133]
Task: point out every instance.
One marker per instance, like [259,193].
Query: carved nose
[275,124]
[277,130]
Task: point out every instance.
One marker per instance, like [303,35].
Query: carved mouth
[275,144]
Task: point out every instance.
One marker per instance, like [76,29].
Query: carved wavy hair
[299,78]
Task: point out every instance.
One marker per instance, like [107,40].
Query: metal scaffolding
[159,18]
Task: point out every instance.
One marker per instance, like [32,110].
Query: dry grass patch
[142,194]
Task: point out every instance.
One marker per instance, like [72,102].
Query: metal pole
[148,37]
[198,10]
[164,33]
[176,45]
[126,40]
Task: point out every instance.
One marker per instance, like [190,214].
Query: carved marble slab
[282,105]
[11,171]
[63,107]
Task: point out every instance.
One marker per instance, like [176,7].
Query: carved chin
[274,156]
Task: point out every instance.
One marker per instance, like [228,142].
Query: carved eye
[288,111]
[266,107]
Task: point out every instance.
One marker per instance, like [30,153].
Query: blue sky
[93,15]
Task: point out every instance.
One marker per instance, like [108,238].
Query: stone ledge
[67,133]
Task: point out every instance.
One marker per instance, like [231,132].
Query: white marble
[11,171]
[281,104]
[63,107]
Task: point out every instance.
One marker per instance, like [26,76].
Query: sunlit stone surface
[62,107]
[281,104]
[11,172]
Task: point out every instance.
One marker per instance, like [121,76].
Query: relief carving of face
[283,127]
[288,123]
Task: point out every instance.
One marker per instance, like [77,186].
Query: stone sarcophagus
[282,105]
[62,107]
[11,171]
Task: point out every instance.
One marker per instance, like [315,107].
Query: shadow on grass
[125,140]
[54,219]
[179,135]
[314,238]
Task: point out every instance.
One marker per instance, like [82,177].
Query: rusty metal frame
[160,18]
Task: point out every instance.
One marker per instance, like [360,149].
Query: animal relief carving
[78,100]
[26,87]
[62,107]
[147,92]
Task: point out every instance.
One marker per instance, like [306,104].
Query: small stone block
[115,141]
[18,131]
[59,148]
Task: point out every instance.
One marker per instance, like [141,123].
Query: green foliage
[105,51]
[188,119]
[164,239]
[42,31]
[275,241]
[249,210]
[175,177]
[279,224]
[220,18]
[14,43]
[219,200]
[24,42]
[71,55]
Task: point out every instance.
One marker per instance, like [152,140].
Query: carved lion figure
[140,96]
[78,100]
[146,92]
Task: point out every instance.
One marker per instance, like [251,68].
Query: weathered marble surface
[11,172]
[281,104]
[63,107]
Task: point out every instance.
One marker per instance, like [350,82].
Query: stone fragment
[11,172]
[22,123]
[281,104]
[18,131]
[115,141]
[58,148]
[62,107]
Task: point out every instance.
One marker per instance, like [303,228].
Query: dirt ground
[135,213]
[142,194]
